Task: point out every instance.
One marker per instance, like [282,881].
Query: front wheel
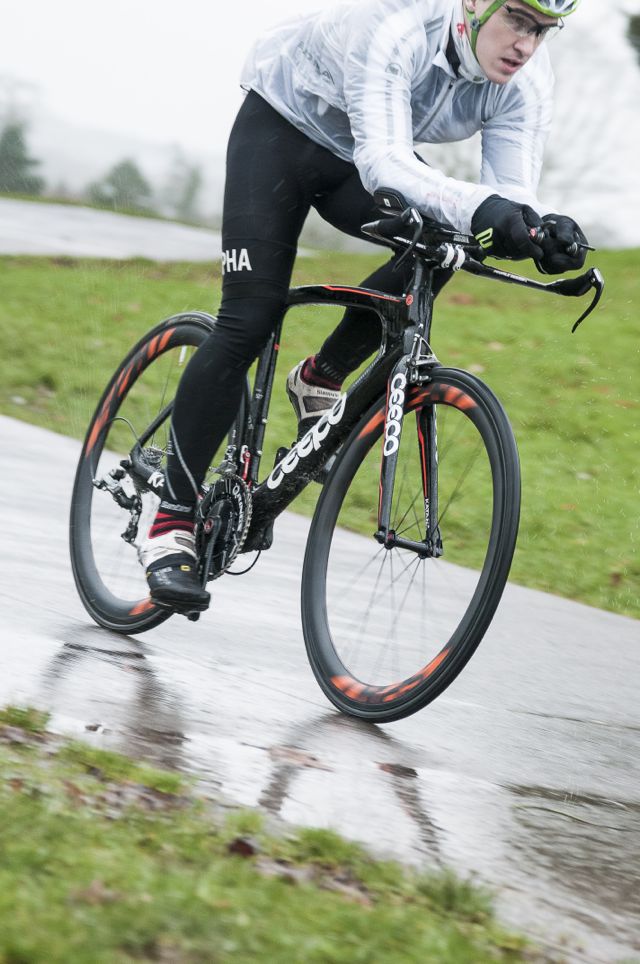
[388,629]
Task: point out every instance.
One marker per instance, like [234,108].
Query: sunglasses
[523,26]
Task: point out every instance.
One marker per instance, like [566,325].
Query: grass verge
[573,400]
[107,861]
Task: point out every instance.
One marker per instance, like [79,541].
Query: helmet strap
[477,22]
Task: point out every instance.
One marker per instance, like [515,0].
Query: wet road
[524,773]
[27,227]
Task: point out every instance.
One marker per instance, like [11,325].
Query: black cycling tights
[275,174]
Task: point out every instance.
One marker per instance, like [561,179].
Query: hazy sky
[162,70]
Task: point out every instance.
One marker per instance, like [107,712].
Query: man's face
[508,38]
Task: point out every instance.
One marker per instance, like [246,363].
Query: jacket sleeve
[386,49]
[513,139]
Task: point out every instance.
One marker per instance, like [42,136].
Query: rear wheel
[388,629]
[111,509]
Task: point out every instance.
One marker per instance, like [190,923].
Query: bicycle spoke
[361,627]
[459,485]
[416,520]
[410,508]
[360,572]
[449,438]
[396,615]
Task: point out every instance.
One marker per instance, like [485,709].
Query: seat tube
[262,389]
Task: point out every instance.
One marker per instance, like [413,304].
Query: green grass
[104,861]
[33,721]
[572,399]
[106,765]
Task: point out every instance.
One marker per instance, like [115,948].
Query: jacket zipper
[437,108]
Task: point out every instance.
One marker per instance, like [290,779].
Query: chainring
[222,523]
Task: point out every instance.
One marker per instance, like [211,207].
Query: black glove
[560,233]
[503,229]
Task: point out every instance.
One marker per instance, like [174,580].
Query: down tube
[301,464]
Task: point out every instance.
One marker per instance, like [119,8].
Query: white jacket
[369,79]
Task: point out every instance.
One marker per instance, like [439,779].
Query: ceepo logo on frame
[395,410]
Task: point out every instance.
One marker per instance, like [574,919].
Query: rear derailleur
[142,470]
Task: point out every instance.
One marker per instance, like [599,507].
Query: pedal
[180,608]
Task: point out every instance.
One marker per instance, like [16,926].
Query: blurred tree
[123,188]
[182,190]
[634,33]
[187,204]
[15,164]
[61,191]
[18,99]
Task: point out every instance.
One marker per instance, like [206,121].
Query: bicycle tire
[108,576]
[434,645]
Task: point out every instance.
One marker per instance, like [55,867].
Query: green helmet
[550,8]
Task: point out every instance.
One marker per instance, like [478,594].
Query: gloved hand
[560,233]
[502,228]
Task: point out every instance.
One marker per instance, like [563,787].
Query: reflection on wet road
[524,773]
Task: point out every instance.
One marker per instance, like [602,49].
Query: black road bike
[414,530]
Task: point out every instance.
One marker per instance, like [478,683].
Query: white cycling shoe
[170,563]
[310,402]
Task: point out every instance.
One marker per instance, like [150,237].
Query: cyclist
[335,103]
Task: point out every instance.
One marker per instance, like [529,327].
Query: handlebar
[444,247]
[427,233]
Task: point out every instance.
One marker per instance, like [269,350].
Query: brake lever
[576,287]
[595,280]
[572,287]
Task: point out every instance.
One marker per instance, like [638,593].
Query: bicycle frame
[405,322]
[404,359]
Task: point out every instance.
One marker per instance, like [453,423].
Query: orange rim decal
[457,398]
[144,606]
[417,679]
[372,424]
[155,346]
[435,392]
[125,379]
[100,422]
[465,402]
[343,682]
[355,690]
[165,338]
[362,693]
[419,395]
